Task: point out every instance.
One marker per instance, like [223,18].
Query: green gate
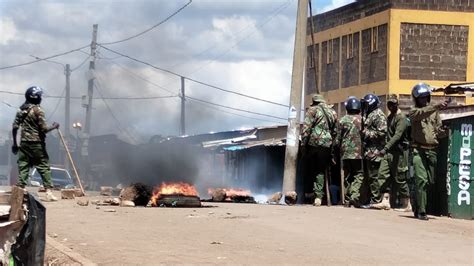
[460,171]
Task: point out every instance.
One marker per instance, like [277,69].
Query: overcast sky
[244,46]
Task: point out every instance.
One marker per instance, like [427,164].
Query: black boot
[422,216]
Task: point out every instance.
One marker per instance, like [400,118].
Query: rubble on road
[275,198]
[68,194]
[83,202]
[127,203]
[106,191]
[291,197]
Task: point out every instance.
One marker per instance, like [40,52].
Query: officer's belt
[426,147]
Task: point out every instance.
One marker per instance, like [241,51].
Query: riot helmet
[371,102]
[352,105]
[421,90]
[33,94]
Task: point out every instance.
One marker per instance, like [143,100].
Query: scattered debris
[54,235]
[138,193]
[83,202]
[218,194]
[127,203]
[78,193]
[95,202]
[106,191]
[110,210]
[216,243]
[68,194]
[275,198]
[236,195]
[111,201]
[291,197]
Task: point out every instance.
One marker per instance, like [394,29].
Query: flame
[180,188]
[232,192]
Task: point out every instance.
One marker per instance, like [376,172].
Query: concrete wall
[433,52]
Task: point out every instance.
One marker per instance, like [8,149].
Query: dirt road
[257,234]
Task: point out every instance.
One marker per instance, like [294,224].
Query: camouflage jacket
[375,129]
[426,126]
[31,119]
[348,137]
[397,137]
[319,127]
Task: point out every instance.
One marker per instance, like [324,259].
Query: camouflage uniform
[350,142]
[319,130]
[394,164]
[426,128]
[32,150]
[375,128]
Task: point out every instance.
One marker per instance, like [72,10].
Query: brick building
[387,46]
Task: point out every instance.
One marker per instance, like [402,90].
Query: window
[374,39]
[350,46]
[329,50]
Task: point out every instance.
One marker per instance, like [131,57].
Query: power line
[81,64]
[151,28]
[44,58]
[107,98]
[142,78]
[234,108]
[119,125]
[194,80]
[227,112]
[57,104]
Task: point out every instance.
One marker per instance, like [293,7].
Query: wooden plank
[16,203]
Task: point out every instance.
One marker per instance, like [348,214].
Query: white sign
[465,157]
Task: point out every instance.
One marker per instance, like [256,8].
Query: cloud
[244,46]
[7,29]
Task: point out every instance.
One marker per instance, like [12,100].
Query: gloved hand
[55,125]
[382,152]
[14,149]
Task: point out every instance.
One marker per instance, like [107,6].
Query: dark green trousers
[33,154]
[354,178]
[393,173]
[424,164]
[319,160]
[374,184]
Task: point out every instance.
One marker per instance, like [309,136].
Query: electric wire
[195,80]
[57,104]
[227,112]
[235,108]
[44,58]
[151,28]
[119,124]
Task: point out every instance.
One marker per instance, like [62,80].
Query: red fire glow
[180,188]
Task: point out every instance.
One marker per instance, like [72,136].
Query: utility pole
[293,131]
[67,112]
[90,93]
[183,108]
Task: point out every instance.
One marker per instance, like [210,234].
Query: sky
[244,46]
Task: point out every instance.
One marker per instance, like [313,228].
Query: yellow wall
[394,18]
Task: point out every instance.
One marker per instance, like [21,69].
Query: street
[256,234]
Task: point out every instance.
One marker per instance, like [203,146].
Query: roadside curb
[68,252]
